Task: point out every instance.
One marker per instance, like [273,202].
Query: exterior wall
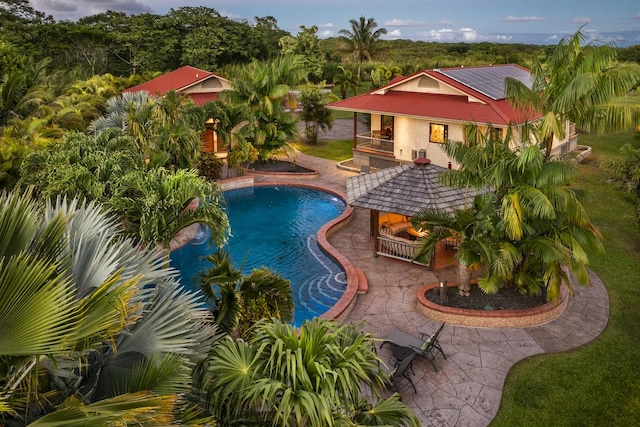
[212,84]
[413,134]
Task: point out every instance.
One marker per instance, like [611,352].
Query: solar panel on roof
[488,80]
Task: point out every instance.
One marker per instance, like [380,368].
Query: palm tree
[579,83]
[363,39]
[383,74]
[346,81]
[529,226]
[474,228]
[94,329]
[314,376]
[242,300]
[262,87]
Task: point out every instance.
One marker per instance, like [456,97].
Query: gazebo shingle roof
[407,189]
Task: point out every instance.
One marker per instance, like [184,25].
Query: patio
[467,388]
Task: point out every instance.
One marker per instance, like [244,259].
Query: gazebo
[396,194]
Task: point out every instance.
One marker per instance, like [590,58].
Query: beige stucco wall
[413,134]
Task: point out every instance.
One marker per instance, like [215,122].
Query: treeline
[121,44]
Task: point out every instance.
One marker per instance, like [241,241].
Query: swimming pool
[276,227]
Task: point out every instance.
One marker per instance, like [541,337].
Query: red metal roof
[202,98]
[177,80]
[436,106]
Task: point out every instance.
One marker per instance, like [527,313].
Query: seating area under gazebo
[394,195]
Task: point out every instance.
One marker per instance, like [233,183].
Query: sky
[503,21]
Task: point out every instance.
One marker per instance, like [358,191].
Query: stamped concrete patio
[467,388]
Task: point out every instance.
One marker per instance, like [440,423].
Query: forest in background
[122,45]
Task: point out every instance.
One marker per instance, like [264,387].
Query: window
[438,133]
[496,134]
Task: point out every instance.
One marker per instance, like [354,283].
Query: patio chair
[426,346]
[400,373]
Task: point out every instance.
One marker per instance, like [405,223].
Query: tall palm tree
[363,39]
[314,376]
[241,300]
[579,82]
[94,329]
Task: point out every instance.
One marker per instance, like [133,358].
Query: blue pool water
[276,227]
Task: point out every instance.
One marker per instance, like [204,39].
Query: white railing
[397,247]
[374,141]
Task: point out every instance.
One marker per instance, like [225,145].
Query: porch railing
[397,247]
[374,141]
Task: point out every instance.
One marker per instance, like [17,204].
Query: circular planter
[490,318]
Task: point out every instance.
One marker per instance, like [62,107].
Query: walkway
[467,388]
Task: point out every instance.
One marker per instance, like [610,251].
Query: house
[200,86]
[412,116]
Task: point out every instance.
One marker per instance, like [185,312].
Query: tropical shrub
[314,376]
[210,166]
[239,301]
[111,169]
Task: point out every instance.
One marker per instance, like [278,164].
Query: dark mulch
[278,166]
[505,299]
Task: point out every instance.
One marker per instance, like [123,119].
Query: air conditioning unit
[422,154]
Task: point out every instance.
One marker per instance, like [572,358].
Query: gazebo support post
[375,230]
[355,130]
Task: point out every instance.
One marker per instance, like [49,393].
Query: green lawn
[337,150]
[598,384]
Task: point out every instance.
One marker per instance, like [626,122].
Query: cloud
[637,16]
[412,23]
[469,34]
[395,34]
[325,34]
[581,20]
[402,23]
[73,9]
[502,37]
[511,18]
[327,25]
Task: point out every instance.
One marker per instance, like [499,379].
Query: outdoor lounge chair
[427,346]
[401,372]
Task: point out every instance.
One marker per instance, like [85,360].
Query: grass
[337,150]
[598,384]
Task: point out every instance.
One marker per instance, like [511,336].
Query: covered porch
[396,194]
